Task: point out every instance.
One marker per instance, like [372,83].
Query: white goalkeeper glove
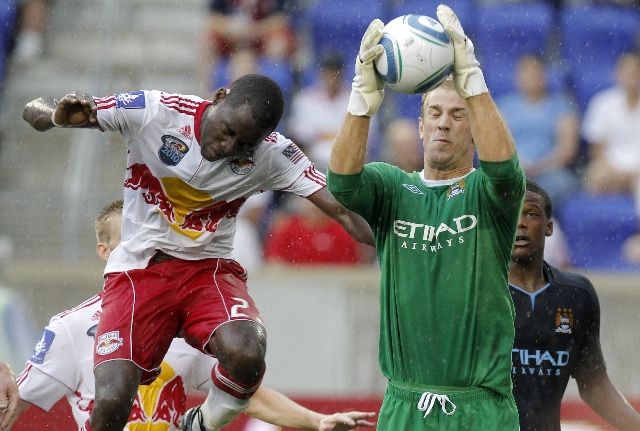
[367,89]
[467,74]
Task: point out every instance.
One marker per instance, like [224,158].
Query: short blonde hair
[103,233]
[447,83]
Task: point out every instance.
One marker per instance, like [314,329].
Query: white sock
[220,408]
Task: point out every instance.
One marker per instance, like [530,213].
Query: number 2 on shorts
[235,313]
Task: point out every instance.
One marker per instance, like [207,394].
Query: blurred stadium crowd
[566,75]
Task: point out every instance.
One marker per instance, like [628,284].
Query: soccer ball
[418,54]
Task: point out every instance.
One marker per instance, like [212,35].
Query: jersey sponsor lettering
[539,362]
[427,238]
[425,232]
[43,346]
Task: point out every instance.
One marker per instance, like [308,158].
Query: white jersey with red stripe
[177,202]
[62,366]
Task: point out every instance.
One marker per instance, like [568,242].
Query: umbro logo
[186,131]
[413,189]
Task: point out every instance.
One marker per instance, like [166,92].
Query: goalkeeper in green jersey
[444,238]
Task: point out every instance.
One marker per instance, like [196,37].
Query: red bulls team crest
[242,165]
[108,342]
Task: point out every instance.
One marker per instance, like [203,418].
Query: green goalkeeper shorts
[416,408]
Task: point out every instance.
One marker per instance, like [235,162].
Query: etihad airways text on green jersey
[443,248]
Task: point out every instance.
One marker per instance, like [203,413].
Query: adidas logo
[186,131]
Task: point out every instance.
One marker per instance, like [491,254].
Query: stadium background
[322,323]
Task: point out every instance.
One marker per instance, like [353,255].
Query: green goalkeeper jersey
[444,248]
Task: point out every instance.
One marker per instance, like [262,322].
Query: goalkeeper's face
[445,131]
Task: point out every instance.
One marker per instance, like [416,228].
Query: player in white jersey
[62,366]
[191,164]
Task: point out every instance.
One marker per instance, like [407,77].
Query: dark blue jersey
[557,336]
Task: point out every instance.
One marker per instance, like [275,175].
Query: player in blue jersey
[557,331]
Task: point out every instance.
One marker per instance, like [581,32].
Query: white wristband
[475,83]
[53,120]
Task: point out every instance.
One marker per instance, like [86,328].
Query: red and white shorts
[144,309]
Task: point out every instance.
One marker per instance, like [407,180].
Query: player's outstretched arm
[354,224]
[73,110]
[603,397]
[490,133]
[273,407]
[367,92]
[11,406]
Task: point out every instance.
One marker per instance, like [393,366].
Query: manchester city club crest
[172,150]
[564,320]
[242,165]
[456,189]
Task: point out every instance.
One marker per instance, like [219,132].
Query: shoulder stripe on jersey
[180,104]
[315,176]
[84,304]
[105,102]
[181,108]
[178,98]
[23,374]
[272,138]
[191,112]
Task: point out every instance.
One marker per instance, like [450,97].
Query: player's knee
[111,407]
[241,348]
[116,387]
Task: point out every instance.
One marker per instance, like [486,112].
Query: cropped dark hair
[262,94]
[534,187]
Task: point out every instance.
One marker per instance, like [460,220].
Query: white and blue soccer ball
[418,54]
